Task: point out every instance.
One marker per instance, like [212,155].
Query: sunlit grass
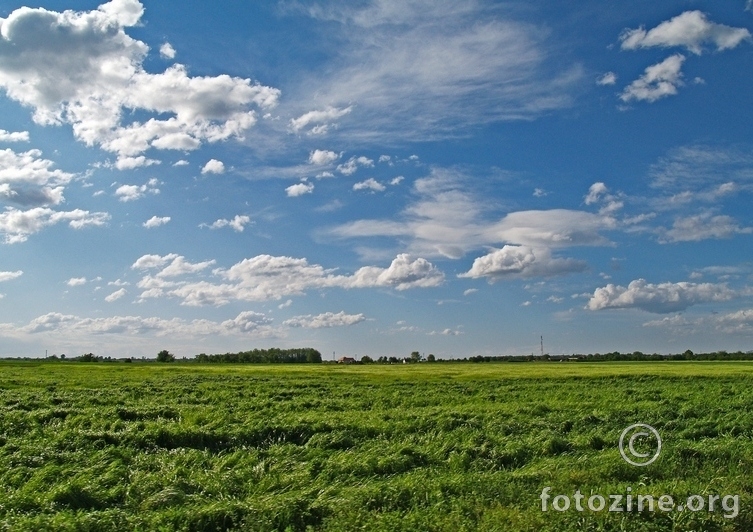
[405,447]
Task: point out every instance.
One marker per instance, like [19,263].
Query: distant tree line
[264,356]
[615,356]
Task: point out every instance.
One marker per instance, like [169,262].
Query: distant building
[346,360]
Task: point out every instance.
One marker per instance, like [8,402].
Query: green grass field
[446,447]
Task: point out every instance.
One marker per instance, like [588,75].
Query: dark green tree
[165,356]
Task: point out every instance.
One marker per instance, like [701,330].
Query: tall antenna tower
[542,345]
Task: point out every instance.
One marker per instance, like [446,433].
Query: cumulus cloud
[327,319]
[246,324]
[321,120]
[14,136]
[130,163]
[658,81]
[9,276]
[28,179]
[134,192]
[701,227]
[609,78]
[691,30]
[167,51]
[17,225]
[512,262]
[238,223]
[116,295]
[83,69]
[322,157]
[213,166]
[267,277]
[299,189]
[351,166]
[658,298]
[370,184]
[402,274]
[156,221]
[598,193]
[76,281]
[178,265]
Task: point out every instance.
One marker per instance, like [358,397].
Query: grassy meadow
[442,447]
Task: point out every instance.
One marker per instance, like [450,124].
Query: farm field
[442,447]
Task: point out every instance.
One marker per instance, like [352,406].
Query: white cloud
[156,221]
[402,274]
[599,193]
[76,281]
[396,180]
[178,265]
[327,319]
[701,227]
[370,184]
[447,220]
[237,223]
[18,225]
[446,332]
[116,295]
[696,166]
[658,298]
[147,262]
[731,323]
[129,163]
[322,157]
[552,228]
[420,68]
[470,291]
[658,81]
[213,166]
[14,136]
[246,324]
[350,167]
[134,192]
[181,162]
[691,30]
[82,69]
[323,119]
[595,192]
[609,78]
[167,51]
[27,179]
[299,189]
[8,276]
[521,262]
[266,277]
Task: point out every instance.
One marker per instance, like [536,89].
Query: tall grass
[420,447]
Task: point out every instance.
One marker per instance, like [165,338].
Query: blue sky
[375,177]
